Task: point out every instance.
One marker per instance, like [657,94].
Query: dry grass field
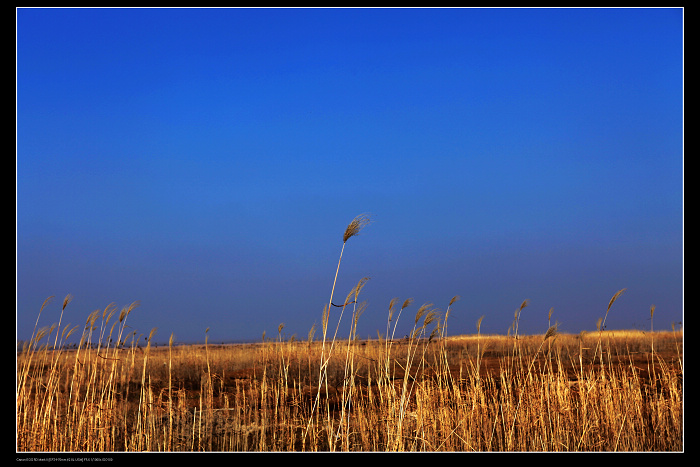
[598,391]
[115,391]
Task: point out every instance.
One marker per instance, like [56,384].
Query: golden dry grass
[553,392]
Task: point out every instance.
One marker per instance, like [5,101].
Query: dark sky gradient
[207,161]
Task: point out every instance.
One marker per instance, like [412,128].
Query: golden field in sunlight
[597,391]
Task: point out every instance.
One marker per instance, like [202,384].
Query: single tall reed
[353,229]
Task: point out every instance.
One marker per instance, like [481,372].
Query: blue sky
[207,161]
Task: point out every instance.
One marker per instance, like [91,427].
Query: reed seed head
[392,304]
[478,324]
[356,290]
[357,224]
[435,332]
[92,317]
[108,312]
[126,310]
[41,333]
[454,299]
[617,294]
[324,318]
[73,329]
[422,310]
[151,334]
[46,302]
[312,331]
[430,317]
[551,332]
[360,309]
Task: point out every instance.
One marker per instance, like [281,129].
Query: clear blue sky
[207,161]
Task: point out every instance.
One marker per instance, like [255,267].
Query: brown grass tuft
[357,224]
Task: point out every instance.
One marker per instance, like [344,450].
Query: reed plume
[447,313]
[516,321]
[600,324]
[354,228]
[612,300]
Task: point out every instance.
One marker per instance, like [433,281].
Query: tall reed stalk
[353,229]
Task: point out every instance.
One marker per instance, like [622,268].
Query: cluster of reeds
[609,391]
[65,398]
